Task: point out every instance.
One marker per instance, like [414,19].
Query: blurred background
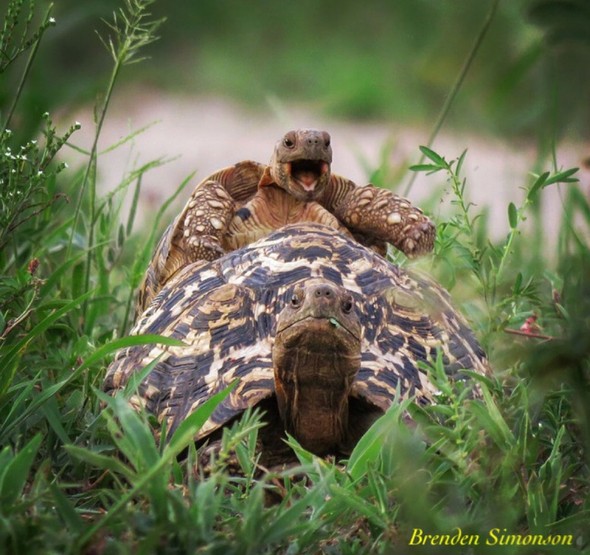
[227,79]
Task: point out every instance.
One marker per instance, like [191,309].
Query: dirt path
[205,134]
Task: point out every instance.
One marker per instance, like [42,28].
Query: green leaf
[17,472]
[492,421]
[517,284]
[98,460]
[425,168]
[539,182]
[131,433]
[66,511]
[358,504]
[436,158]
[5,457]
[460,162]
[562,177]
[512,215]
[369,450]
[7,361]
[188,428]
[304,456]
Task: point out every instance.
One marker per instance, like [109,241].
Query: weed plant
[81,472]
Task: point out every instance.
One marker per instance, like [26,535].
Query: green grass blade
[7,360]
[183,436]
[66,511]
[188,428]
[5,458]
[51,412]
[131,433]
[369,449]
[35,404]
[124,342]
[98,460]
[492,421]
[289,522]
[137,377]
[512,215]
[17,471]
[360,505]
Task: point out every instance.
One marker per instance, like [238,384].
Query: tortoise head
[316,356]
[300,164]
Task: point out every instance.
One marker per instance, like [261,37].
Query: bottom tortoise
[318,330]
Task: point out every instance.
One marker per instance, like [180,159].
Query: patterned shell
[225,312]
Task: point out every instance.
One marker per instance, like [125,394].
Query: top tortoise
[237,205]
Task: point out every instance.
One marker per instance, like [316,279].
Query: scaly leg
[194,235]
[379,213]
[204,222]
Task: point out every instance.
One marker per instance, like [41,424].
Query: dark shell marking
[226,311]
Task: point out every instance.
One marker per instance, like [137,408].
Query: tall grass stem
[456,87]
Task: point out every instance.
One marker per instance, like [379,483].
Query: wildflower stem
[91,170]
[25,74]
[131,35]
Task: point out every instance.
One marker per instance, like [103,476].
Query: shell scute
[226,313]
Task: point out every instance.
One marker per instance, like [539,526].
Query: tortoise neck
[313,387]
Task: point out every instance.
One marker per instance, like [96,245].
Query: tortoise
[319,330]
[240,204]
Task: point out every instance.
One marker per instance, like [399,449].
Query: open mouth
[307,172]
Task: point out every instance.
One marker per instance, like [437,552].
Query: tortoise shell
[232,314]
[240,204]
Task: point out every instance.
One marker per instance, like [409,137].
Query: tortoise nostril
[323,291]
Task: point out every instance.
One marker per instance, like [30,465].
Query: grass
[82,472]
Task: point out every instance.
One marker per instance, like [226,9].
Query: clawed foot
[205,247]
[205,221]
[416,238]
[380,215]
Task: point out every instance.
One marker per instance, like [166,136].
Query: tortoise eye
[347,306]
[295,301]
[289,140]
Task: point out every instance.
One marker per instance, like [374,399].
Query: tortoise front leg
[379,213]
[194,235]
[204,222]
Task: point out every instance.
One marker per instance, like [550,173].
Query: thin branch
[529,334]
